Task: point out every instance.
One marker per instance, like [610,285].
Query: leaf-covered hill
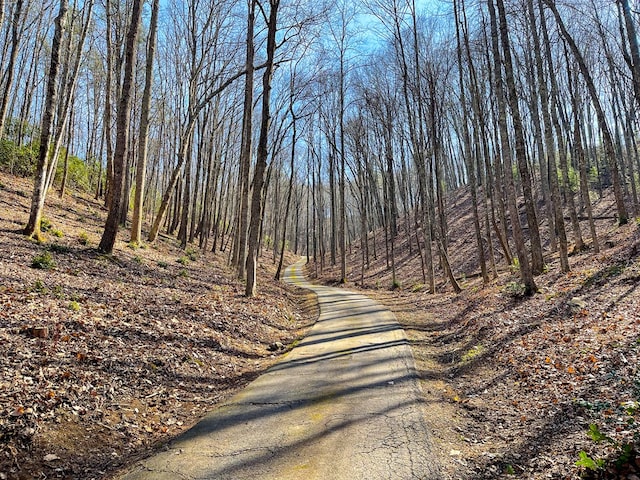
[517,387]
[103,357]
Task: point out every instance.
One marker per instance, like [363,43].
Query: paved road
[344,404]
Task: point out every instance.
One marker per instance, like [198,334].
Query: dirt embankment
[104,357]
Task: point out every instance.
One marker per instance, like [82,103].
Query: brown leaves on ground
[103,357]
[514,387]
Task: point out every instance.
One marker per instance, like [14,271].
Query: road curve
[344,404]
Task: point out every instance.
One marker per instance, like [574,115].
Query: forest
[436,147]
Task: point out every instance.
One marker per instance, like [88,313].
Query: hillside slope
[525,386]
[104,357]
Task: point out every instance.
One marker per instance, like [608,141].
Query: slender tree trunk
[289,190]
[65,169]
[141,166]
[261,154]
[549,143]
[537,262]
[186,199]
[108,106]
[579,154]
[633,46]
[526,273]
[471,169]
[498,199]
[110,233]
[240,254]
[39,192]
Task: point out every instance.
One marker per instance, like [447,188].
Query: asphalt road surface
[343,404]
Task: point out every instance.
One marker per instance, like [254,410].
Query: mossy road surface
[343,404]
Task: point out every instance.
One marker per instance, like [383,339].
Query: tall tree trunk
[37,201]
[110,233]
[261,154]
[466,144]
[526,273]
[186,198]
[537,262]
[556,112]
[108,106]
[290,189]
[549,143]
[246,147]
[578,153]
[342,234]
[141,166]
[65,169]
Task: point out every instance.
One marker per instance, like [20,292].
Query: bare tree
[37,201]
[246,146]
[141,166]
[526,272]
[110,233]
[257,196]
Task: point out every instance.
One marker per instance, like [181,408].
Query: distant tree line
[246,126]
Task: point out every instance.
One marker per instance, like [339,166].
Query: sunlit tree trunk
[550,148]
[471,168]
[37,201]
[633,46]
[240,245]
[110,233]
[257,197]
[292,167]
[141,166]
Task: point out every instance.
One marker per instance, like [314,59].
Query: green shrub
[38,287]
[183,260]
[191,253]
[74,306]
[45,224]
[20,161]
[56,232]
[43,261]
[83,238]
[589,463]
[162,264]
[80,175]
